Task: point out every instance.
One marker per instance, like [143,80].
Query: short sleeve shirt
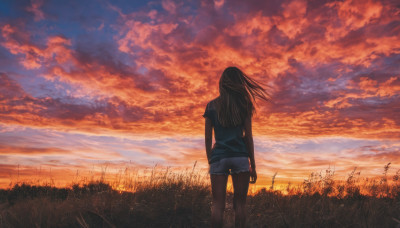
[229,141]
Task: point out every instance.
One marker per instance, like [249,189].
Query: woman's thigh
[218,186]
[241,185]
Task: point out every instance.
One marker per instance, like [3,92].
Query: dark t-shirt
[229,141]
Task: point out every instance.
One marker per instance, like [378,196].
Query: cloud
[177,54]
[31,150]
[22,108]
[35,9]
[148,70]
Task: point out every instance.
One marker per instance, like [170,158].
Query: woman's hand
[253,175]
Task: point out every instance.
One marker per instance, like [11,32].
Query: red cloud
[177,59]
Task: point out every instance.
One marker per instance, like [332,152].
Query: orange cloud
[171,64]
[31,150]
[149,73]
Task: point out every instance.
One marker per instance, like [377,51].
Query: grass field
[169,199]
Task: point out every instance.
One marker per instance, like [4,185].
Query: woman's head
[237,94]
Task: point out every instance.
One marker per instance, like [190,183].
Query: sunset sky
[88,83]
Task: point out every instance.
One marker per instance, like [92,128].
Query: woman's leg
[240,188]
[218,187]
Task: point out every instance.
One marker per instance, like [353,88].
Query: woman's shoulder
[211,104]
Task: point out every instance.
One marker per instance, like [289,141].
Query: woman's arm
[248,138]
[208,137]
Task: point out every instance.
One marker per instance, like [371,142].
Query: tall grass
[169,198]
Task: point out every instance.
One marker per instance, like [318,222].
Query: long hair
[237,93]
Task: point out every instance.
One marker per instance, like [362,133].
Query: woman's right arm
[248,138]
[208,137]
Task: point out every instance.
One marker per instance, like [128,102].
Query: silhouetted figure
[230,115]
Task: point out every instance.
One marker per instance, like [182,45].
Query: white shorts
[230,166]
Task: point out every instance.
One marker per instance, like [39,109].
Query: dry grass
[166,198]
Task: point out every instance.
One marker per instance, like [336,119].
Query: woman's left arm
[208,137]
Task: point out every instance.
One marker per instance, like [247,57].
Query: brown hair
[237,94]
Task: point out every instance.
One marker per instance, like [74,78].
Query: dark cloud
[268,8]
[9,88]
[330,63]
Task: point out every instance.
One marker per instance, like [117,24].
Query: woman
[230,114]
